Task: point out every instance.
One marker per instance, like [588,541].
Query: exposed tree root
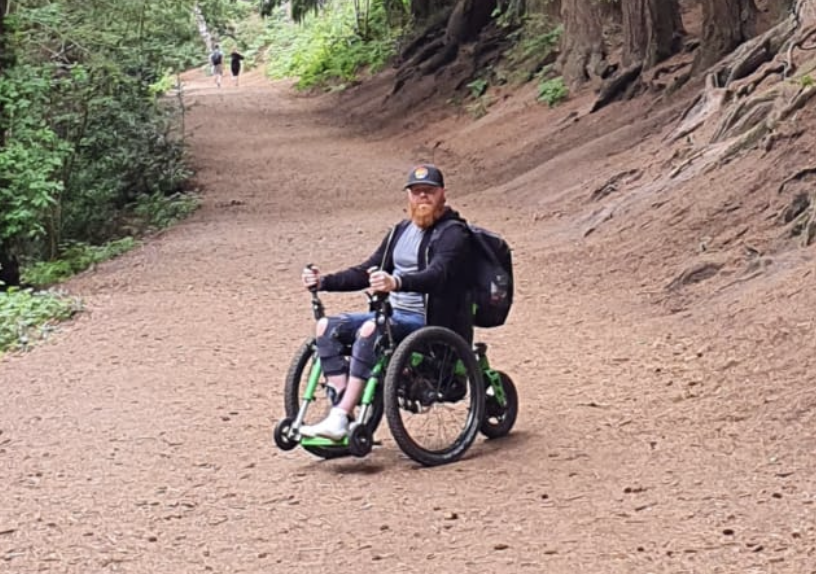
[742,63]
[796,208]
[618,87]
[695,274]
[434,30]
[732,98]
[744,115]
[439,45]
[804,225]
[799,175]
[612,184]
[704,106]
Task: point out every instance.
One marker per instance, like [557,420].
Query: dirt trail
[139,438]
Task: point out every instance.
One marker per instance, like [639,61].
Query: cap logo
[420,173]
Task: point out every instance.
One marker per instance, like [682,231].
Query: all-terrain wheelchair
[435,390]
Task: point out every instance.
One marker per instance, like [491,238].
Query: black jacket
[443,275]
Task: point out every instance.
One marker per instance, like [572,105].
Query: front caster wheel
[282,435]
[360,441]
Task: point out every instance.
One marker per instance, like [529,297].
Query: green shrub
[157,211]
[27,316]
[532,45]
[76,257]
[477,87]
[327,49]
[552,91]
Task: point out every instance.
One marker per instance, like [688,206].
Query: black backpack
[492,276]
[216,58]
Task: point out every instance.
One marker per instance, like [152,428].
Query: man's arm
[355,278]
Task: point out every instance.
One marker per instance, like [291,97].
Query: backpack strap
[443,225]
[390,242]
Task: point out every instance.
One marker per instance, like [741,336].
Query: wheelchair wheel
[282,435]
[434,396]
[296,380]
[499,420]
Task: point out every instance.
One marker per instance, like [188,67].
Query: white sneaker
[335,426]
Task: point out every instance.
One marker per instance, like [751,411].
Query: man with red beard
[425,270]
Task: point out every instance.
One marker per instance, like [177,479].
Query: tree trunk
[726,25]
[780,8]
[203,30]
[611,11]
[468,19]
[430,52]
[550,8]
[582,45]
[650,31]
[422,9]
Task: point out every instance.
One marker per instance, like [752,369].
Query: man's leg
[363,359]
[363,356]
[333,334]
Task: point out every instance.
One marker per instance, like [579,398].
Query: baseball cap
[426,174]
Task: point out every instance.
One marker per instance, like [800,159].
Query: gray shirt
[406,260]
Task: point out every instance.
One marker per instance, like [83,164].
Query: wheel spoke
[433,419]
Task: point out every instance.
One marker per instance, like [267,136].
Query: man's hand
[382,282]
[310,277]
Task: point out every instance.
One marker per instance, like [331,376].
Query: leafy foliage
[153,212]
[32,157]
[89,147]
[477,87]
[481,100]
[332,49]
[552,91]
[86,130]
[26,316]
[75,257]
[534,44]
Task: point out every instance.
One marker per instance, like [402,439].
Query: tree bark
[203,30]
[780,8]
[430,53]
[650,30]
[423,9]
[726,25]
[468,19]
[549,8]
[611,11]
[582,45]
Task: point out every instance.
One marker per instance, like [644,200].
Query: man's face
[426,204]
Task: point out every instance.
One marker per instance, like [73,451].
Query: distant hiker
[235,65]
[217,61]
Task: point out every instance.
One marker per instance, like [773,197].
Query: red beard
[424,215]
